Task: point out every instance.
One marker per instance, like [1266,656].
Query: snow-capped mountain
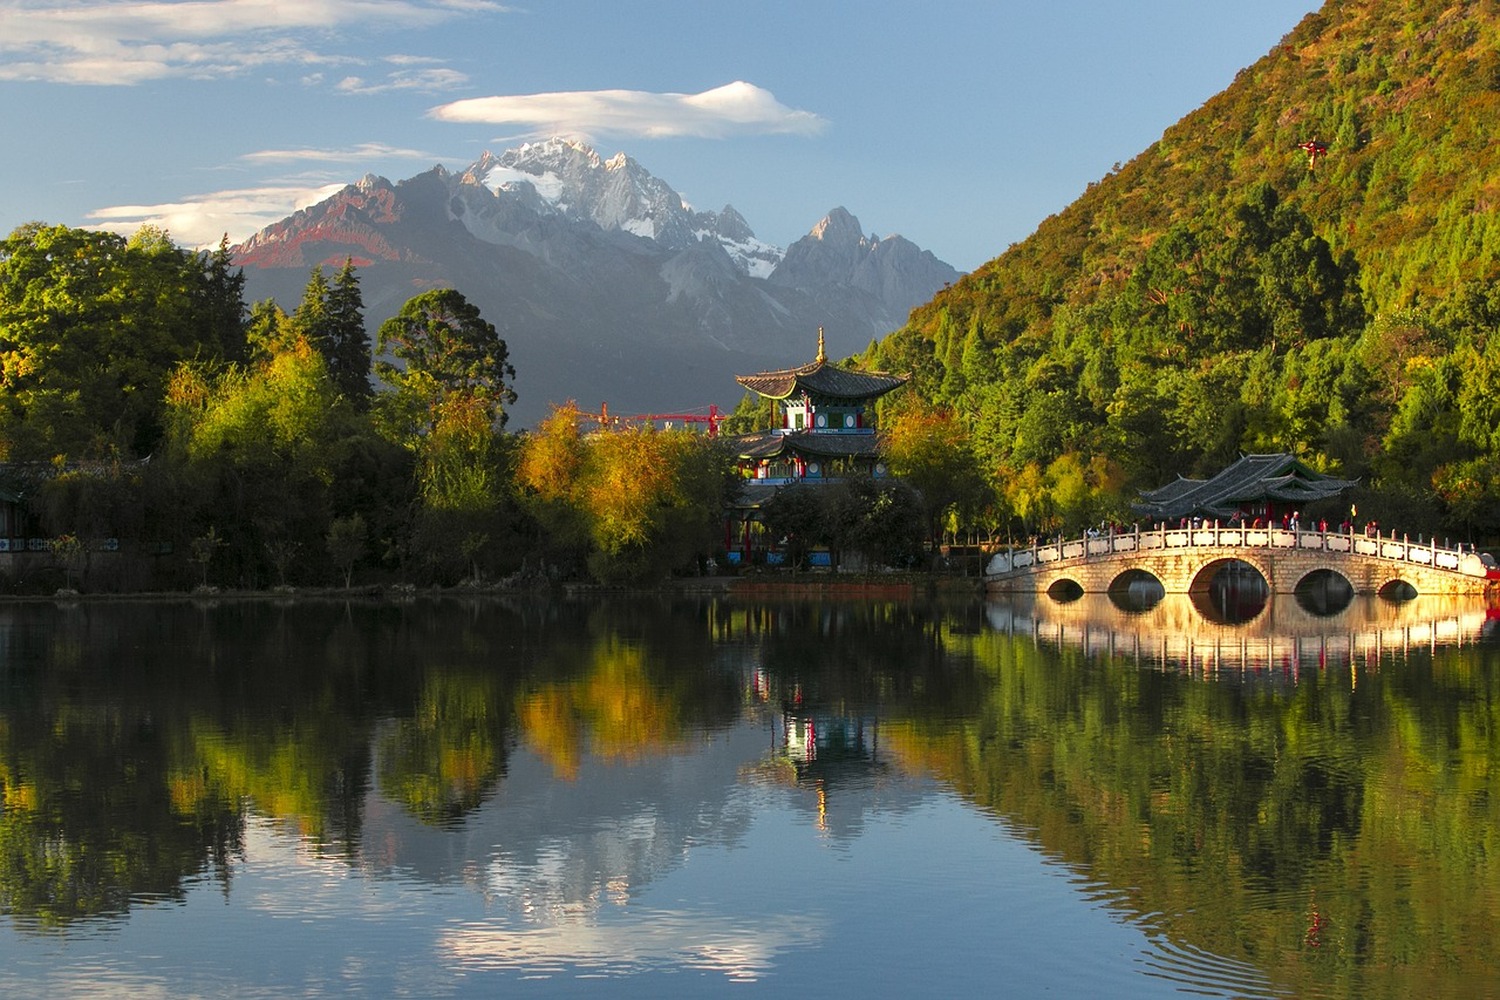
[604,282]
[570,179]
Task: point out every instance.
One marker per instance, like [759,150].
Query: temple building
[826,432]
[1257,486]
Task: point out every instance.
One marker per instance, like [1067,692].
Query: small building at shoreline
[826,432]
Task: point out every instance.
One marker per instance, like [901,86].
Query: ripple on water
[1207,974]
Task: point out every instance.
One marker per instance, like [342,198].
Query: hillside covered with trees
[1307,263]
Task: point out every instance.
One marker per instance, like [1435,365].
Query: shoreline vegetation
[885,585]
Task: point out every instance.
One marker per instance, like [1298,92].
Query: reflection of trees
[444,758]
[1338,834]
[132,736]
[844,673]
[633,686]
[860,654]
[98,812]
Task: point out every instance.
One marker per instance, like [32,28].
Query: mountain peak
[839,226]
[568,179]
[603,275]
[894,270]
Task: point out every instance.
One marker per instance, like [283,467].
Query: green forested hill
[1219,294]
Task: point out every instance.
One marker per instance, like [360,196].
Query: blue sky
[960,125]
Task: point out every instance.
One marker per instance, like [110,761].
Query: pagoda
[826,432]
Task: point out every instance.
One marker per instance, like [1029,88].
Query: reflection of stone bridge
[1284,636]
[1186,560]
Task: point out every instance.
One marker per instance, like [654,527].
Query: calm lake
[645,797]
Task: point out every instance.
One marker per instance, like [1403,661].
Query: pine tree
[346,347]
[224,301]
[331,317]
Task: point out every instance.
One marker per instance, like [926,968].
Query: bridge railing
[1110,544]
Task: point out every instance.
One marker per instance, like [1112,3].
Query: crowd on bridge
[1290,521]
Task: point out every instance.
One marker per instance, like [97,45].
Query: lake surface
[696,797]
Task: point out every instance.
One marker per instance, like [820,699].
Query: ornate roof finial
[822,355]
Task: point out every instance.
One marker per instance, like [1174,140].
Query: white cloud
[117,42]
[428,81]
[200,220]
[742,952]
[362,153]
[734,109]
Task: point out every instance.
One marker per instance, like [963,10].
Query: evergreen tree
[346,347]
[224,310]
[331,317]
[311,316]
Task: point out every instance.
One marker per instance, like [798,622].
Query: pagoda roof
[823,444]
[822,379]
[819,378]
[1280,478]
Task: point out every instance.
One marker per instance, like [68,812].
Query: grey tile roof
[825,444]
[819,378]
[1278,478]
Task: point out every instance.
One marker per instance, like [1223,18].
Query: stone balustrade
[1185,560]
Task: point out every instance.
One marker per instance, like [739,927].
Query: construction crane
[610,421]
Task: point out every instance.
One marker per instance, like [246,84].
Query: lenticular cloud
[735,109]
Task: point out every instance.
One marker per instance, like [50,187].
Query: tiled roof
[819,378]
[769,444]
[1281,478]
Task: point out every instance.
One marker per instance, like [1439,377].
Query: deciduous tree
[442,346]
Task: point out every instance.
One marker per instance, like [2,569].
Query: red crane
[608,421]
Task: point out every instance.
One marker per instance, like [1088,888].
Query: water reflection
[576,789]
[1290,633]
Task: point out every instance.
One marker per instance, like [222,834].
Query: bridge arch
[1323,572]
[1136,590]
[1324,591]
[1203,577]
[1065,590]
[1397,589]
[1230,589]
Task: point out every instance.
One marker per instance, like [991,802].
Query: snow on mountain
[569,179]
[604,283]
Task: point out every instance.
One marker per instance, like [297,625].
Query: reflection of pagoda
[826,431]
[828,747]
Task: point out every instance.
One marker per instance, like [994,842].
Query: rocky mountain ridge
[605,283]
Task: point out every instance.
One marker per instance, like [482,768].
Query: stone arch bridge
[1186,560]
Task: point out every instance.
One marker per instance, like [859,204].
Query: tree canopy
[91,325]
[444,348]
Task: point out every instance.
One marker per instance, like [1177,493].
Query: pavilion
[826,432]
[1264,486]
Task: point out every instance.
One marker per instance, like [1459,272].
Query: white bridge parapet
[1184,560]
